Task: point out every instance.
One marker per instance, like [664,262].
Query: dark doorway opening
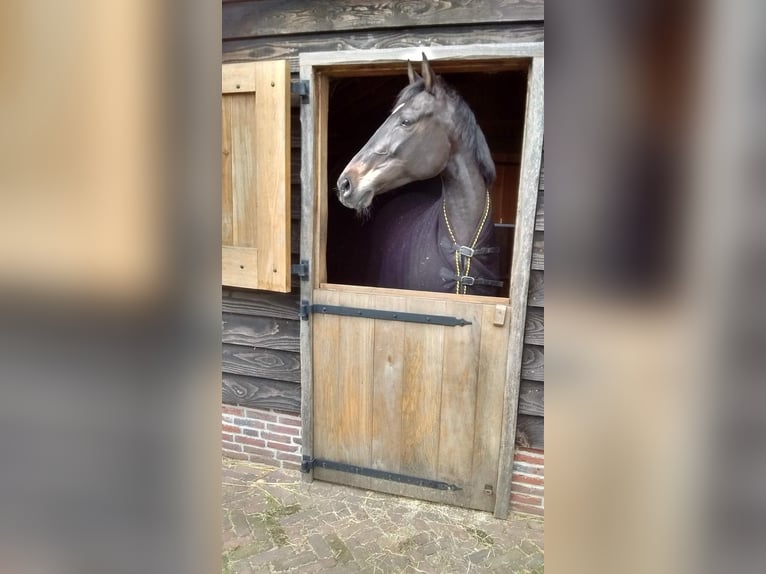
[358,105]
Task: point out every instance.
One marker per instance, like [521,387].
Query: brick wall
[274,438]
[528,481]
[265,436]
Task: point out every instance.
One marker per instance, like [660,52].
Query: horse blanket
[412,249]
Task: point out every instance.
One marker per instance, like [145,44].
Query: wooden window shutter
[255,179]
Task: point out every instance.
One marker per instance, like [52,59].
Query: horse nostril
[344,185]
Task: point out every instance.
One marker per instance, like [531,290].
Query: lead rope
[473,244]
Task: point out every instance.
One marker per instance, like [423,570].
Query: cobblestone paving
[275,522]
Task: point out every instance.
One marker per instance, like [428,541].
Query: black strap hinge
[309,463]
[361,313]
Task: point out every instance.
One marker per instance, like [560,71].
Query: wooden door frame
[316,69]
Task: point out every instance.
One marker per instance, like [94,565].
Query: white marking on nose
[368,180]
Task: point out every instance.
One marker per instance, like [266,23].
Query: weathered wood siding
[282,29]
[290,17]
[529,427]
[260,359]
[260,329]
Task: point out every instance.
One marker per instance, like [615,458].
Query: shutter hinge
[301,270]
[304,310]
[301,87]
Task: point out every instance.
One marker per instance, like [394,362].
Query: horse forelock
[467,130]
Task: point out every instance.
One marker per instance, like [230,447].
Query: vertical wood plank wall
[261,359]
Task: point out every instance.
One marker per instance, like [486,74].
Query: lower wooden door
[418,400]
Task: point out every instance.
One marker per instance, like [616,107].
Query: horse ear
[411,73]
[428,75]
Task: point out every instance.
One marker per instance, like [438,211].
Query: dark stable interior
[358,106]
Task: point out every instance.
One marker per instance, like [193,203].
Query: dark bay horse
[443,242]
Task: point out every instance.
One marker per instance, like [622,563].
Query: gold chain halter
[473,245]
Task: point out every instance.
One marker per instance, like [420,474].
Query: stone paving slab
[275,522]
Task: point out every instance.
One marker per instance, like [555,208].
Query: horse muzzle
[350,192]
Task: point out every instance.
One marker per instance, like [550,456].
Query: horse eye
[404,122]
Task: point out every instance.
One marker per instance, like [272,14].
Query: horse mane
[467,129]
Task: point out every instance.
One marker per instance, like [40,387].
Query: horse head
[414,143]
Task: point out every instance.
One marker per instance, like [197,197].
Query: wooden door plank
[488,420]
[458,397]
[354,407]
[227,229]
[325,388]
[388,372]
[421,394]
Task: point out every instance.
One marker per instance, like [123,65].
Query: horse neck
[464,194]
